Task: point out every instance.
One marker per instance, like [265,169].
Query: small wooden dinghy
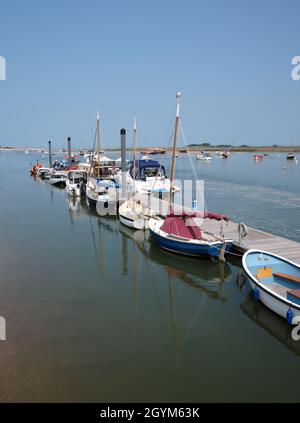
[275,281]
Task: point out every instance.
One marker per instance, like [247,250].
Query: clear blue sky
[230,59]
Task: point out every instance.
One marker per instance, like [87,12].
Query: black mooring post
[50,153]
[69,150]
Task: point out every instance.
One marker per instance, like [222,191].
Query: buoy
[289,316]
[255,294]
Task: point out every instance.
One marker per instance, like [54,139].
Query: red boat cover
[179,226]
[205,215]
[183,225]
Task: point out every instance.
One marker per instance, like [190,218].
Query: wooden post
[174,150]
[98,135]
[134,155]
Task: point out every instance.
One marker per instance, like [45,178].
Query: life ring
[243,230]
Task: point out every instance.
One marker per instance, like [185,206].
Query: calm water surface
[95,312]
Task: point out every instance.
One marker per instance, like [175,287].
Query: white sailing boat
[133,213]
[179,232]
[149,177]
[101,193]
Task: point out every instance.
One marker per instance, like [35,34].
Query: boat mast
[174,149]
[134,153]
[98,134]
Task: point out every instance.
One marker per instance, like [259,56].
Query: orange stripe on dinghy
[264,272]
[287,277]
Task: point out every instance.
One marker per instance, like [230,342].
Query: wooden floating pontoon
[256,239]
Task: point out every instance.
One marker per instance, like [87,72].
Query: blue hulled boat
[181,234]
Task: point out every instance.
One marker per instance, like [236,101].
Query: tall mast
[134,152]
[174,149]
[98,134]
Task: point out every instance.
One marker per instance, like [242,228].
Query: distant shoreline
[248,149]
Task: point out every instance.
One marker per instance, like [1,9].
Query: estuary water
[96,312]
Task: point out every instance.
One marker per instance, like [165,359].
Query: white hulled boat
[76,183]
[133,213]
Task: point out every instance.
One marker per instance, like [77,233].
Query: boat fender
[243,230]
[256,294]
[289,316]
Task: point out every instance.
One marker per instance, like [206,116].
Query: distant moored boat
[204,157]
[290,156]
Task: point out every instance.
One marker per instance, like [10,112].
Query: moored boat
[275,282]
[35,168]
[102,189]
[147,176]
[291,156]
[179,232]
[76,183]
[58,180]
[134,214]
[225,154]
[154,150]
[204,157]
[102,195]
[43,170]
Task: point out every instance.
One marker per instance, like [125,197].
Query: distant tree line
[207,144]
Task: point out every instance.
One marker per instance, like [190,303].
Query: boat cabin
[77,176]
[143,169]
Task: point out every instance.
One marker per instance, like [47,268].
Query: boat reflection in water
[207,277]
[153,277]
[271,322]
[204,276]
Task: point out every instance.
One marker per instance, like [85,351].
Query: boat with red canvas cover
[181,234]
